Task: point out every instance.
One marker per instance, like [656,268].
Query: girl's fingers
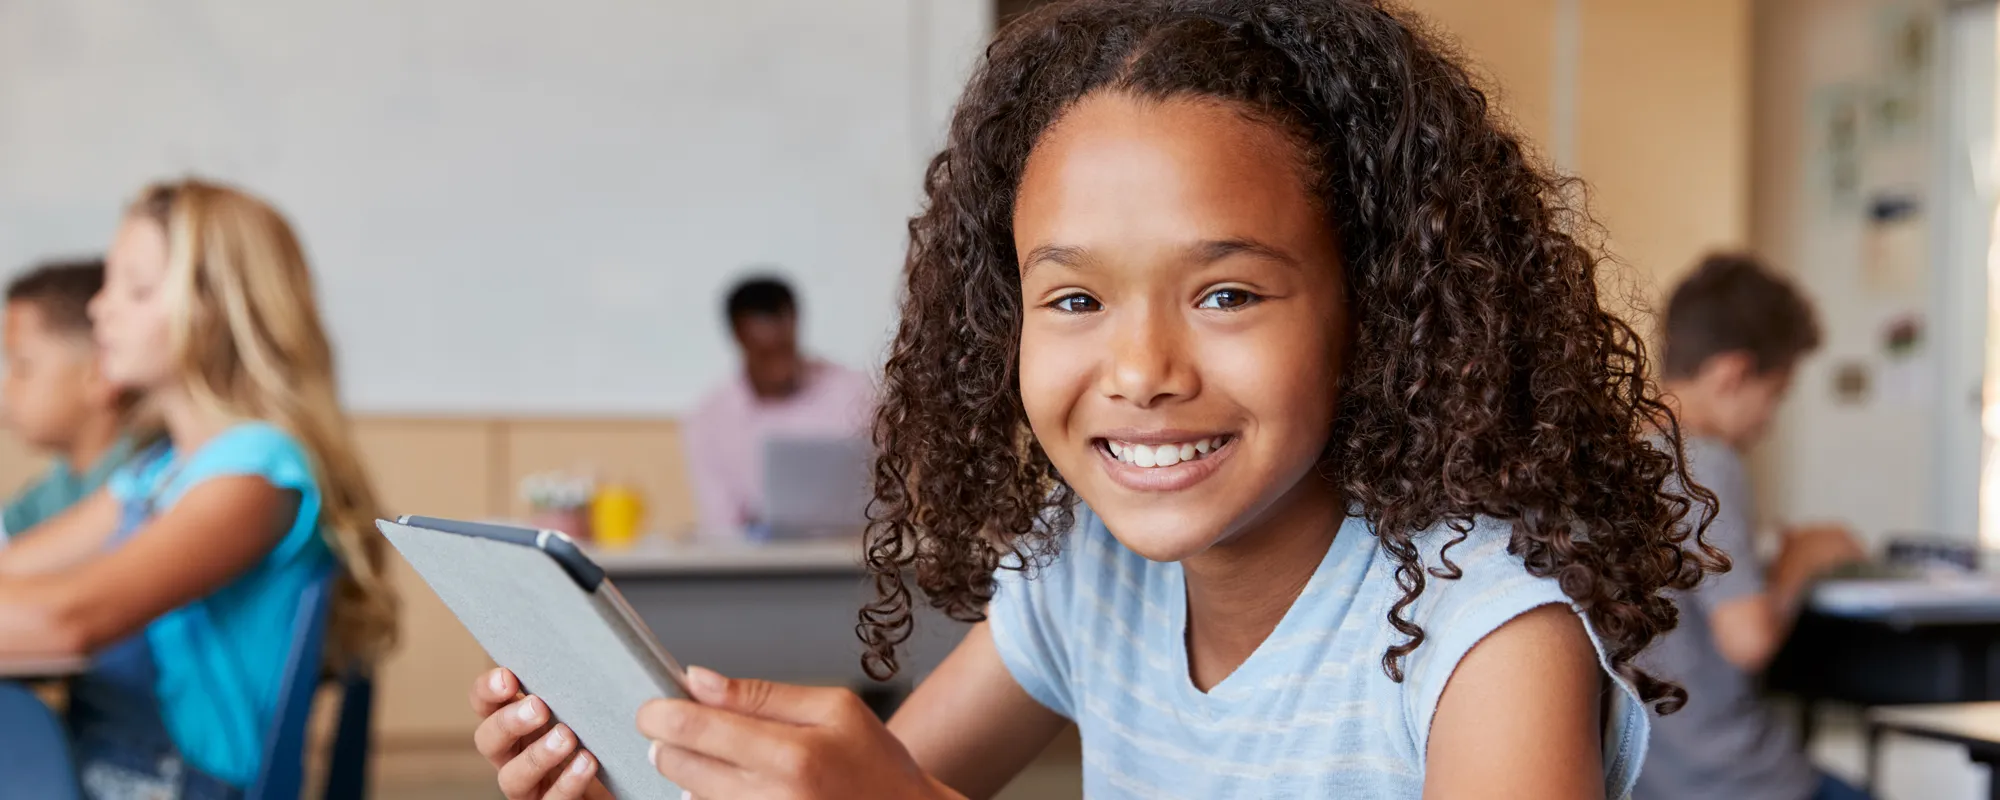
[500,735]
[800,705]
[523,777]
[575,778]
[492,690]
[699,775]
[716,733]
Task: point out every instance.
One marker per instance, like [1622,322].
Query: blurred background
[524,217]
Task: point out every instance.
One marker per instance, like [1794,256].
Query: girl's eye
[1077,304]
[1227,299]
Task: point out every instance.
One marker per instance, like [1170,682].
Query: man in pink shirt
[780,392]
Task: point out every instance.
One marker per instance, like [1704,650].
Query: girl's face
[130,316]
[1184,320]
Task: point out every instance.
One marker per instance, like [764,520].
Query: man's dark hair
[61,290]
[763,295]
[1733,303]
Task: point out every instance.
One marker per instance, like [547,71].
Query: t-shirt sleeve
[23,510]
[256,450]
[1457,615]
[1720,470]
[1028,622]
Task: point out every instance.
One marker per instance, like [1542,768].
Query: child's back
[1725,742]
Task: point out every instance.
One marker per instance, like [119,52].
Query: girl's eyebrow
[1211,251]
[1062,255]
[1200,253]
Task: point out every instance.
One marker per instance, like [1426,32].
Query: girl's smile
[1162,461]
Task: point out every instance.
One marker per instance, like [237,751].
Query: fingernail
[527,711]
[556,739]
[498,680]
[580,765]
[703,681]
[653,754]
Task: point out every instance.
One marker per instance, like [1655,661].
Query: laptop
[816,487]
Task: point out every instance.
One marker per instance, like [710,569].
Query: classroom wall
[1647,102]
[1868,462]
[513,207]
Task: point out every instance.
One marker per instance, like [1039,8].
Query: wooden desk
[1974,725]
[783,611]
[40,668]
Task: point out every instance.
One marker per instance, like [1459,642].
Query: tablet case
[556,624]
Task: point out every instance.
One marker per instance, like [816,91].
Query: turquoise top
[221,658]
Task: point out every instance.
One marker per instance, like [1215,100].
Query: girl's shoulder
[1473,585]
[1472,558]
[254,448]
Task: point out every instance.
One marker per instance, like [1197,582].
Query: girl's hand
[536,761]
[749,738]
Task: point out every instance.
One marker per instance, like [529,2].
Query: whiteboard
[512,206]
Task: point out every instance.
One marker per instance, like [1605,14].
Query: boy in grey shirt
[1733,333]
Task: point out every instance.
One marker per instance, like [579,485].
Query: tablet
[541,608]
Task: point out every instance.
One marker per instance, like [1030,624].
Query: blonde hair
[247,336]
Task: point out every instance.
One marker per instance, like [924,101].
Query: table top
[41,666]
[1910,602]
[657,557]
[1972,724]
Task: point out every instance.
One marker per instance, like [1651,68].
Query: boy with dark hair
[1734,332]
[53,396]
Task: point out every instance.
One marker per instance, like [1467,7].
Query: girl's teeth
[1165,455]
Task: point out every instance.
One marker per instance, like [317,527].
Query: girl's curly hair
[1485,378]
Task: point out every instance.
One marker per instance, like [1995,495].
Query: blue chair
[34,748]
[284,768]
[283,773]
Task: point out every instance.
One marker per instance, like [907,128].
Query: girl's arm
[64,540]
[965,732]
[1519,716]
[970,725]
[215,532]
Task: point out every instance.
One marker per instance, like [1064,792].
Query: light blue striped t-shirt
[1098,637]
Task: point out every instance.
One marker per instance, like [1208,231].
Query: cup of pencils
[558,502]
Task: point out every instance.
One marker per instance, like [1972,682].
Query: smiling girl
[1253,394]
